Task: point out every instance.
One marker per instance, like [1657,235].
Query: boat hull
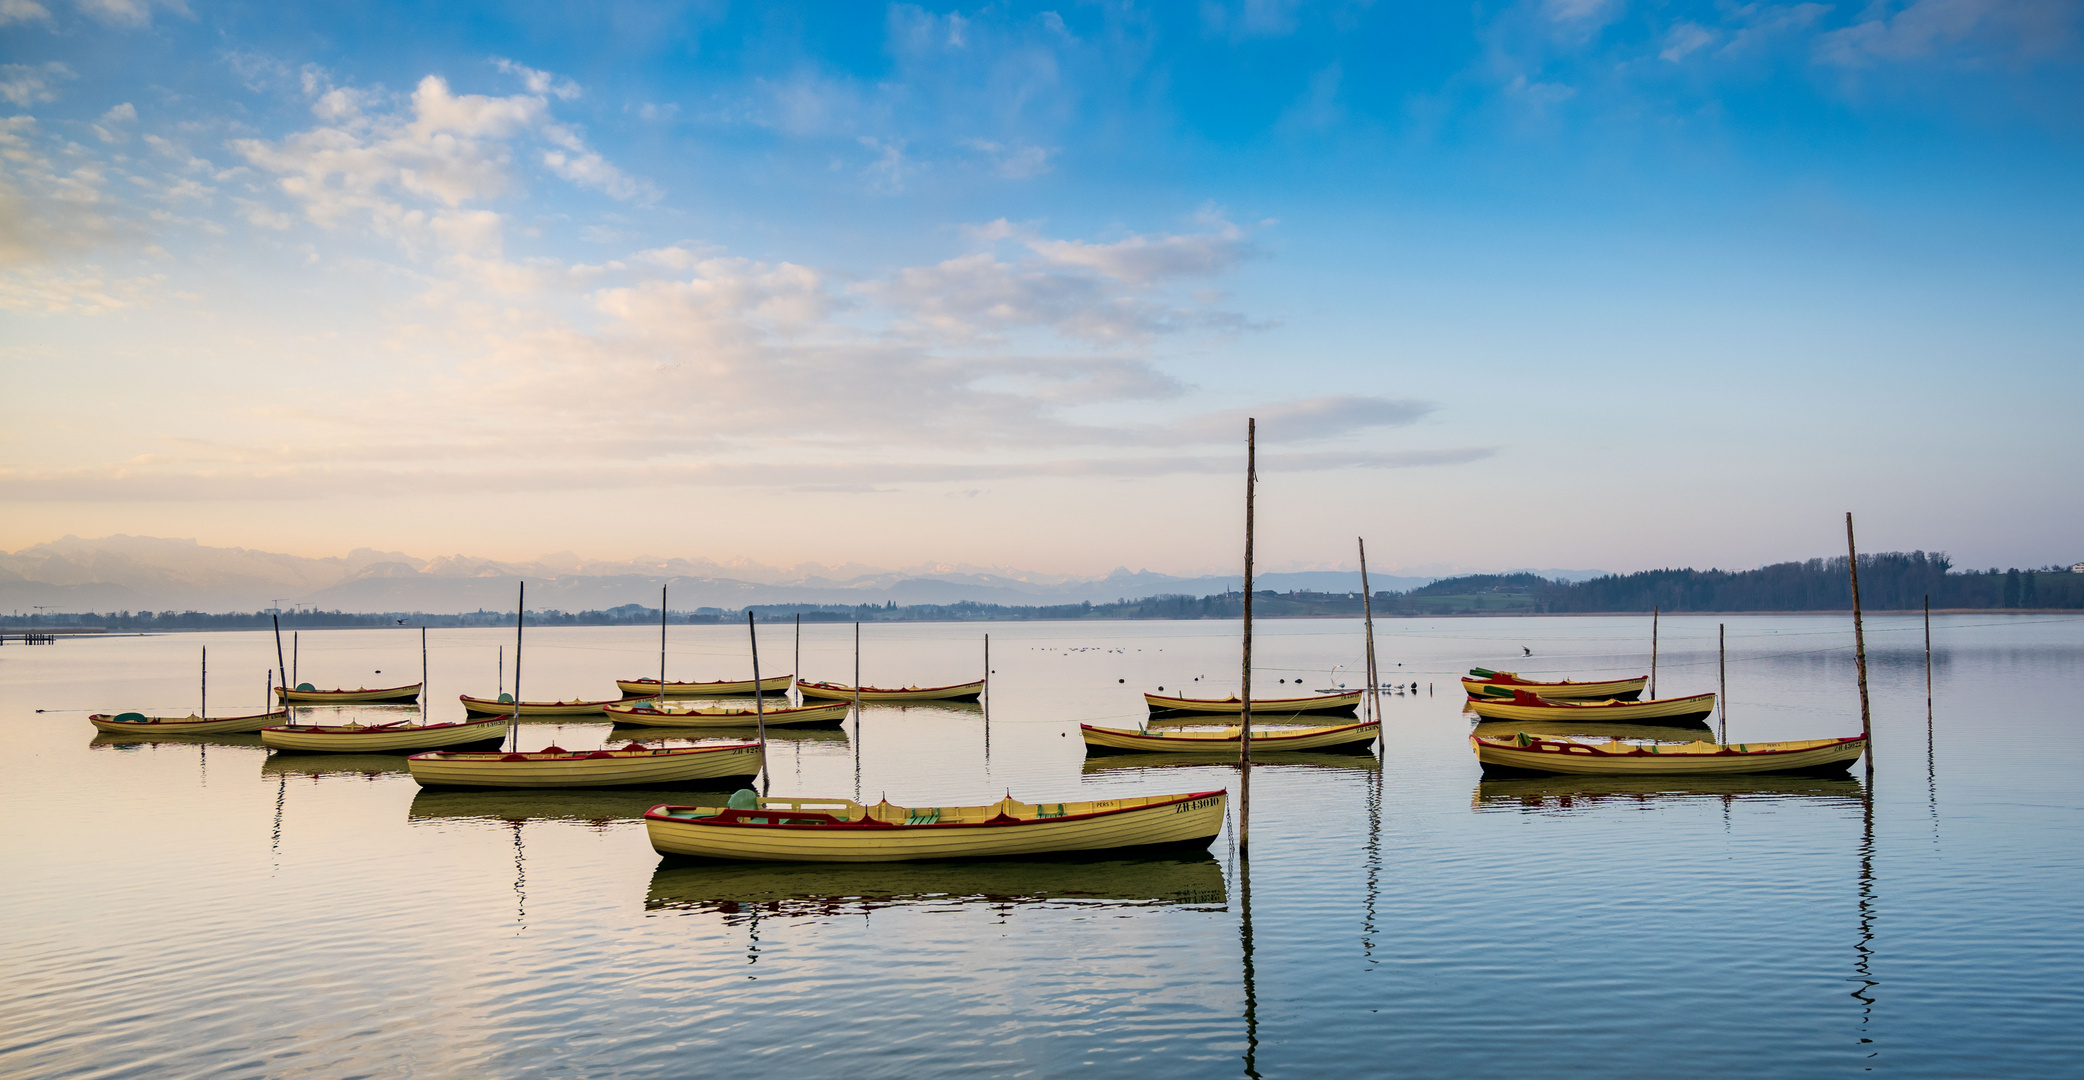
[807,716]
[721,688]
[1012,830]
[490,707]
[1659,711]
[1233,707]
[840,692]
[1349,737]
[599,769]
[187,725]
[1619,689]
[1528,755]
[355,739]
[347,697]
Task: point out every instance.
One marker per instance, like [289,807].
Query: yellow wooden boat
[1485,683]
[648,714]
[131,723]
[1526,706]
[1527,753]
[1355,738]
[504,706]
[968,691]
[303,694]
[720,688]
[382,738]
[759,829]
[553,767]
[1315,704]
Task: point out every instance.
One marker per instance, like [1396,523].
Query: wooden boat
[382,738]
[303,694]
[504,706]
[968,691]
[131,723]
[759,829]
[553,767]
[1527,753]
[1483,683]
[720,688]
[1351,737]
[1344,702]
[648,714]
[1527,706]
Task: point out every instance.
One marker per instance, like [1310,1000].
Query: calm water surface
[197,907]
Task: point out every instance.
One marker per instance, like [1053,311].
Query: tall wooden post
[1859,641]
[857,710]
[1722,679]
[1653,652]
[1928,662]
[661,701]
[296,644]
[1244,744]
[796,662]
[424,699]
[514,717]
[205,713]
[759,701]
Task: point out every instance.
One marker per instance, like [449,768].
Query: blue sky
[1560,283]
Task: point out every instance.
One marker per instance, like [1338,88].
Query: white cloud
[128,13]
[538,82]
[1684,39]
[446,149]
[1015,162]
[1927,28]
[14,11]
[27,84]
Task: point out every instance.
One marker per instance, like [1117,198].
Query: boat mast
[1367,612]
[1244,743]
[279,665]
[514,717]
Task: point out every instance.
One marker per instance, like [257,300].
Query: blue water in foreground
[198,908]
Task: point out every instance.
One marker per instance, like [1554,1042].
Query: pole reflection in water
[520,881]
[275,837]
[1374,867]
[1863,962]
[1244,933]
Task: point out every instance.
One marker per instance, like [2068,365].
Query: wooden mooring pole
[759,700]
[1928,662]
[1859,642]
[1244,751]
[1367,614]
[1722,680]
[1653,652]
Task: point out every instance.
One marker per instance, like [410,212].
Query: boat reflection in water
[315,766]
[1585,729]
[597,806]
[849,889]
[705,736]
[133,742]
[1119,764]
[1581,792]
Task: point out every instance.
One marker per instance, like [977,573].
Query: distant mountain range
[133,573]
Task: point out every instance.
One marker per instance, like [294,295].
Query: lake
[201,908]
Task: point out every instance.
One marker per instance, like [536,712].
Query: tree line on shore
[1894,580]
